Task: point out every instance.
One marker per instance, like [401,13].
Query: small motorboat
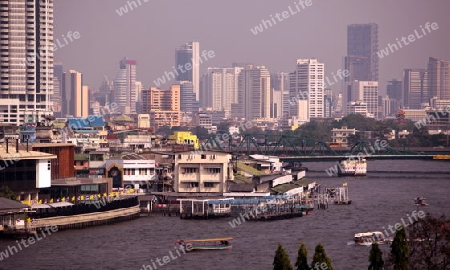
[420,201]
[205,244]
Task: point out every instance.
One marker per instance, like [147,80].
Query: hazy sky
[150,33]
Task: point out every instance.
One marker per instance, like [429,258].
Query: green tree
[302,258]
[400,250]
[6,192]
[281,260]
[201,132]
[321,257]
[376,258]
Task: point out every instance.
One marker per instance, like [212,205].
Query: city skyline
[234,41]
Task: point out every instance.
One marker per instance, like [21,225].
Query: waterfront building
[202,172]
[131,171]
[35,170]
[26,63]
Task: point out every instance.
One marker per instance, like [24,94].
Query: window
[213,170]
[203,156]
[193,184]
[209,184]
[190,170]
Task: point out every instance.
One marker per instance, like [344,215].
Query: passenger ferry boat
[206,244]
[368,238]
[352,167]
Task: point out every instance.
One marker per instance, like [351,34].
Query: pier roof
[7,205]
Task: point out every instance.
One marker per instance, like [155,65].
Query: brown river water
[380,199]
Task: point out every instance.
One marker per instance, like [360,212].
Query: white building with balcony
[202,172]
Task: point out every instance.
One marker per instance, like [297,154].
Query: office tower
[362,40]
[125,91]
[394,90]
[26,63]
[56,97]
[358,107]
[75,97]
[106,92]
[415,88]
[439,78]
[189,53]
[188,101]
[367,92]
[362,59]
[388,106]
[307,90]
[280,81]
[253,94]
[221,87]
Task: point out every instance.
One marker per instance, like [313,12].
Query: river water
[380,199]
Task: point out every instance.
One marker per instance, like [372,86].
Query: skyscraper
[439,78]
[362,59]
[306,90]
[189,53]
[75,97]
[125,87]
[415,88]
[26,64]
[221,87]
[253,94]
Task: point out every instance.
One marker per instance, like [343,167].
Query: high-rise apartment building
[307,90]
[362,59]
[189,53]
[439,78]
[125,87]
[75,96]
[26,62]
[415,88]
[253,94]
[367,92]
[221,88]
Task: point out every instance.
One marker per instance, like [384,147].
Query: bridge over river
[296,148]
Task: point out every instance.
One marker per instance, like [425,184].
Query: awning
[40,206]
[60,204]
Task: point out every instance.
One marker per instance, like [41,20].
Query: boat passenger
[226,243]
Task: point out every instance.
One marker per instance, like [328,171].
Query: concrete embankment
[90,219]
